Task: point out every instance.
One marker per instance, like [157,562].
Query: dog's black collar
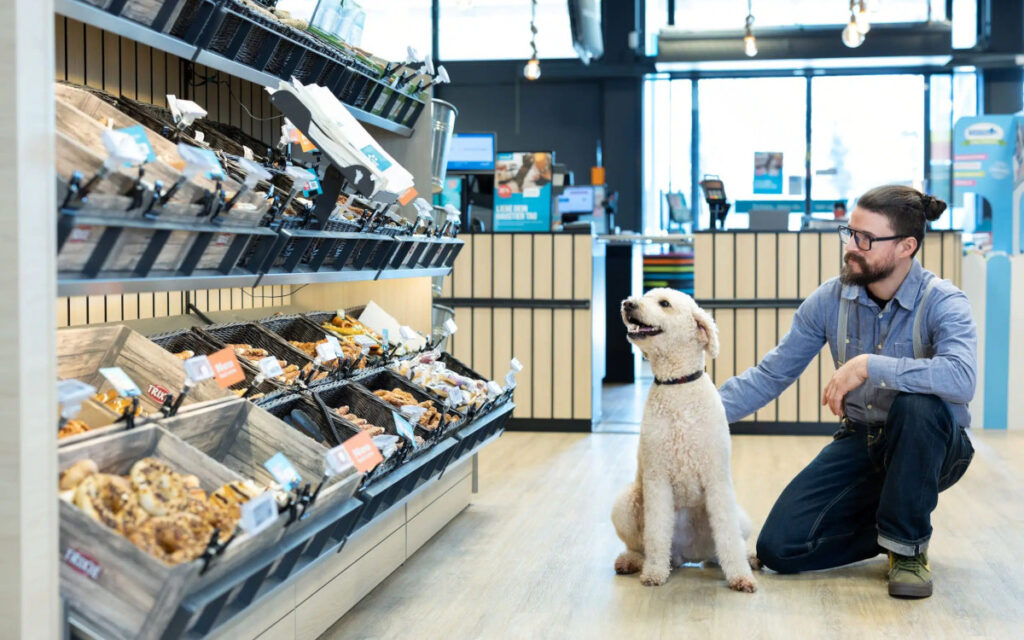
[690,378]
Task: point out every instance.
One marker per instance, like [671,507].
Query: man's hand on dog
[847,378]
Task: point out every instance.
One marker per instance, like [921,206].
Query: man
[902,437]
[839,210]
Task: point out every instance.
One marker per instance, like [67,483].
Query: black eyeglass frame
[857,235]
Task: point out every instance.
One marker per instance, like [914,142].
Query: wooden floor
[532,558]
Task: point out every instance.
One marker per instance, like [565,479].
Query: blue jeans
[871,489]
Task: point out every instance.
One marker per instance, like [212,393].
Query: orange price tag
[305,143]
[365,455]
[407,196]
[226,370]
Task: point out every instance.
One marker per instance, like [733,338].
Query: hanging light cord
[533,28]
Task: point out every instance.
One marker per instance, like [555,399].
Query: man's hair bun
[933,207]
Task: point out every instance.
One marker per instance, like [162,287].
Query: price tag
[364,340]
[226,370]
[74,392]
[510,380]
[456,396]
[200,162]
[283,471]
[338,461]
[494,388]
[122,383]
[516,365]
[200,136]
[80,234]
[198,368]
[450,326]
[122,150]
[385,334]
[412,412]
[404,429]
[247,152]
[259,513]
[331,340]
[311,186]
[326,352]
[408,333]
[138,133]
[364,454]
[340,313]
[270,367]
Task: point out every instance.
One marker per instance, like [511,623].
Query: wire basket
[303,415]
[388,380]
[254,335]
[176,342]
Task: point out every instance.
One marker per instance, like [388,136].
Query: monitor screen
[471,152]
[576,200]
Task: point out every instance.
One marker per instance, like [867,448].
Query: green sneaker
[909,576]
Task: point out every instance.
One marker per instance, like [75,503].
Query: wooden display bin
[82,351]
[111,586]
[99,418]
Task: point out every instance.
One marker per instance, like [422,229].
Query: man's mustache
[850,257]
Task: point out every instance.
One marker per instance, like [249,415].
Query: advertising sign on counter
[983,163]
[522,191]
[767,172]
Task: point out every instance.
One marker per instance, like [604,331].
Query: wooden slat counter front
[753,283]
[530,296]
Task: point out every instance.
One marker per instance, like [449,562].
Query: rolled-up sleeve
[759,385]
[951,373]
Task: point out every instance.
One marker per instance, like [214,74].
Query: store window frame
[696,197]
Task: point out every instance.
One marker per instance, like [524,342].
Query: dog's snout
[629,305]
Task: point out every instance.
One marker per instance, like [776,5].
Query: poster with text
[767,172]
[522,191]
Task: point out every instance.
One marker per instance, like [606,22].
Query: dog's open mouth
[637,329]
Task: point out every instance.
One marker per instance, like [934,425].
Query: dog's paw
[746,584]
[628,562]
[654,577]
[755,562]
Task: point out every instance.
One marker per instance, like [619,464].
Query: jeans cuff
[902,548]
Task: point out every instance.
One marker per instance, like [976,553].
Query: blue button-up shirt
[947,331]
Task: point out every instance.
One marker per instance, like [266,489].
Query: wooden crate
[129,593]
[98,417]
[82,351]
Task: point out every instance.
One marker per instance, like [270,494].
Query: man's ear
[707,332]
[910,245]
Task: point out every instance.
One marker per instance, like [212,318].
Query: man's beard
[867,274]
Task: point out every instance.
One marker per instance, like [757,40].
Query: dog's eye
[665,303]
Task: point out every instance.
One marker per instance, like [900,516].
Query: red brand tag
[82,563]
[157,393]
[226,370]
[222,239]
[365,455]
[504,191]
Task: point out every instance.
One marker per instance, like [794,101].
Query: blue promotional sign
[983,158]
[767,172]
[522,191]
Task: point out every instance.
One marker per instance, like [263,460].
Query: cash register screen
[471,152]
[576,200]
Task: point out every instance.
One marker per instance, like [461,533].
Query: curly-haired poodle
[681,508]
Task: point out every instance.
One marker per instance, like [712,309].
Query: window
[965,23]
[656,17]
[714,15]
[866,131]
[667,139]
[500,30]
[391,27]
[743,116]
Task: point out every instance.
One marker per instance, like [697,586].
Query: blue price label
[404,428]
[139,134]
[121,382]
[312,186]
[281,468]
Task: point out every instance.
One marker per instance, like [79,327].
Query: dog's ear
[707,331]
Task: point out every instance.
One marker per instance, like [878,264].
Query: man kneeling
[905,348]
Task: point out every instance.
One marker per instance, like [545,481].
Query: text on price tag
[198,368]
[450,326]
[258,513]
[226,370]
[404,428]
[122,383]
[365,455]
[335,345]
[270,367]
[326,352]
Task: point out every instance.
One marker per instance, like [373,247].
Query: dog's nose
[628,305]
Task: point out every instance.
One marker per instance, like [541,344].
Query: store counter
[753,283]
[533,296]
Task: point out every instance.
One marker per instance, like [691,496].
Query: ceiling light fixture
[749,41]
[852,36]
[861,18]
[532,69]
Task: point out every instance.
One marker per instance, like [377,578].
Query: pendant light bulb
[861,18]
[532,69]
[749,41]
[851,36]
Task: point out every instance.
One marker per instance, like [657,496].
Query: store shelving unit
[221,36]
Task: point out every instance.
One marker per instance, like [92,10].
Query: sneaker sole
[909,590]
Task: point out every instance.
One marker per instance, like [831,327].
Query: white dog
[681,508]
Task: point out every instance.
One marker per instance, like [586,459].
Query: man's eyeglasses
[863,240]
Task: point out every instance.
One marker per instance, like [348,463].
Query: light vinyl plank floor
[532,557]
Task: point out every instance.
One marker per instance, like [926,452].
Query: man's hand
[847,378]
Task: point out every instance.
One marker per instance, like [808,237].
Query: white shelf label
[338,461]
[270,367]
[259,513]
[450,326]
[122,383]
[198,369]
[404,428]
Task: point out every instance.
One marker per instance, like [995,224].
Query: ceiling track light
[532,69]
[861,17]
[852,35]
[749,41]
